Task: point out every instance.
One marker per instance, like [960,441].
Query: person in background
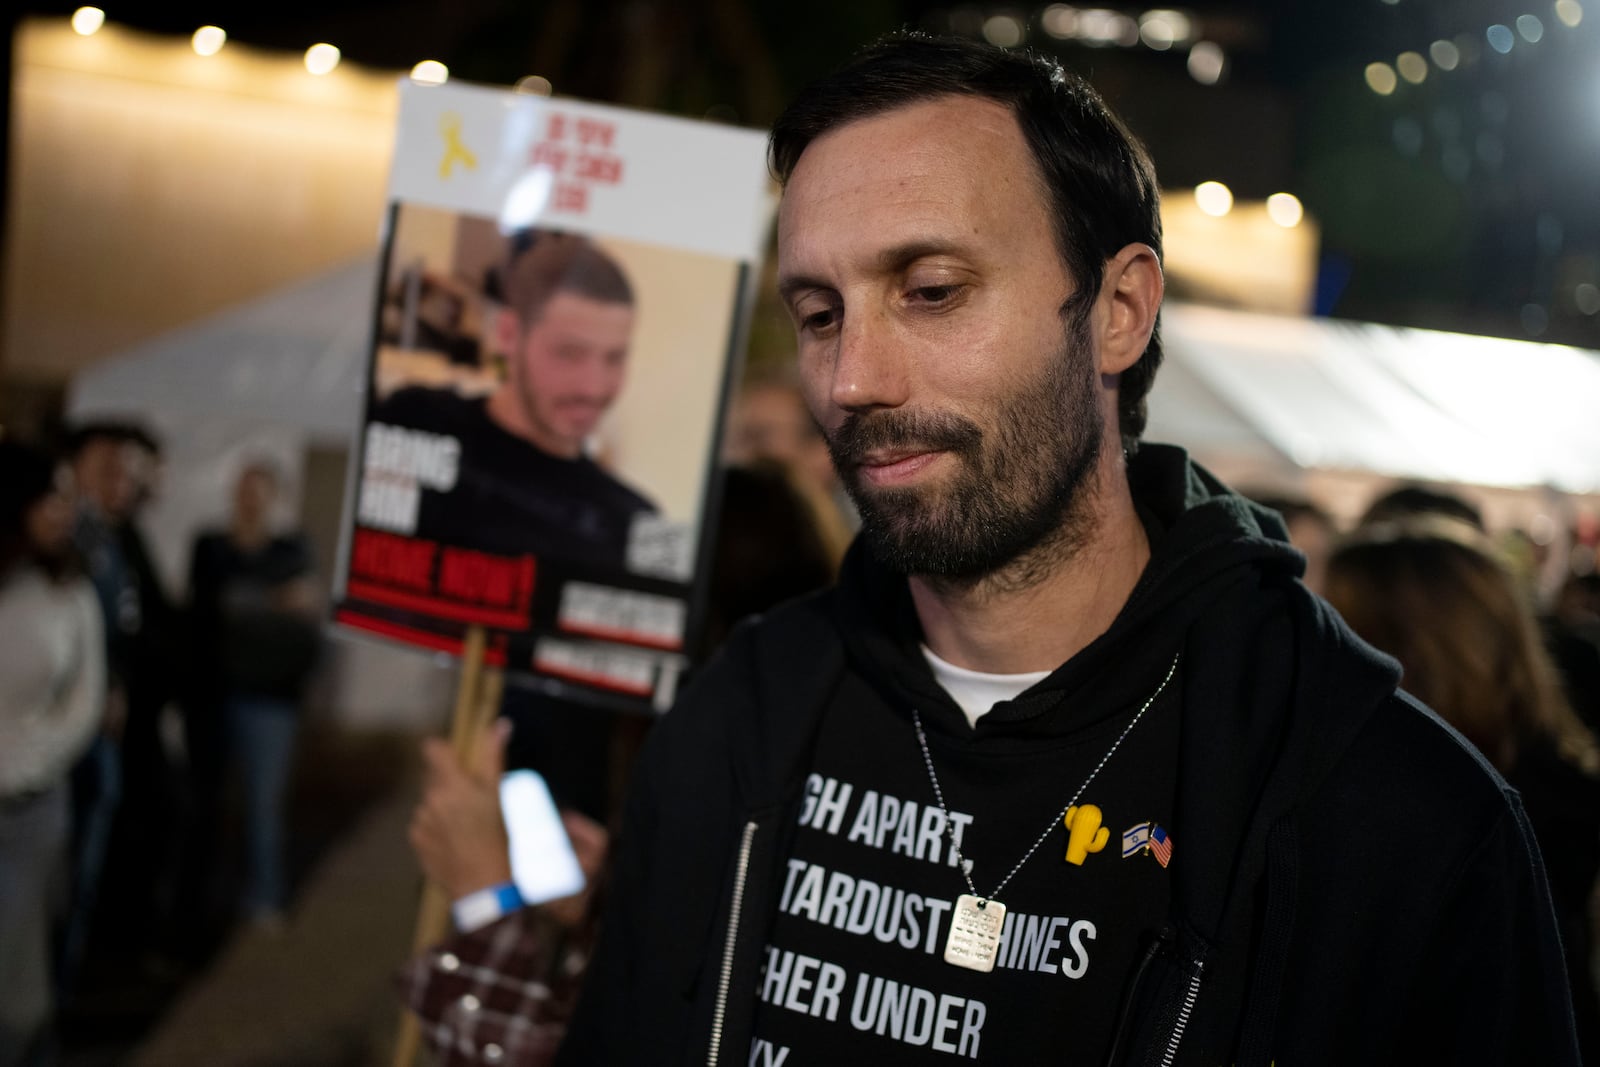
[1431,591]
[768,421]
[1405,501]
[1572,634]
[523,965]
[136,902]
[52,699]
[106,486]
[1577,662]
[255,605]
[499,989]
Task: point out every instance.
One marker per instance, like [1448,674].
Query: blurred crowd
[1421,578]
[134,730]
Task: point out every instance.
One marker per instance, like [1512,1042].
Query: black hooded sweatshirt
[1350,881]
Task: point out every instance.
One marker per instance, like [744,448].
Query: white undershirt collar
[975,692]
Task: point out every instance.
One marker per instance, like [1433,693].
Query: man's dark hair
[1101,183]
[552,263]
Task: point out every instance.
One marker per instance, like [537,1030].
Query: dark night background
[1468,202]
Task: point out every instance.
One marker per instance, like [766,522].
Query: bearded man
[1069,767]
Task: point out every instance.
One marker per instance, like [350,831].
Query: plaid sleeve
[500,995]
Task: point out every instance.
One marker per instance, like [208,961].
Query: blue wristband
[479,909]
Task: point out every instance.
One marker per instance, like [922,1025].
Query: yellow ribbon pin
[454,150]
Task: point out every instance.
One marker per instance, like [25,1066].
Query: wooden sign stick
[478,693]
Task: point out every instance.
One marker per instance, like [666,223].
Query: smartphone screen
[542,861]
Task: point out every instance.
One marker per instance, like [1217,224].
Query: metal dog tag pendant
[975,927]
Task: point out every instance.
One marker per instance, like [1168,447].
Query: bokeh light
[1214,198]
[1500,38]
[1207,63]
[1100,25]
[1412,67]
[1003,31]
[322,58]
[208,40]
[1060,21]
[1570,12]
[1446,56]
[1531,29]
[534,85]
[430,72]
[1407,135]
[1162,28]
[1381,78]
[1587,297]
[1285,209]
[88,20]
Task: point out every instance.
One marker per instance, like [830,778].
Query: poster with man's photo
[562,292]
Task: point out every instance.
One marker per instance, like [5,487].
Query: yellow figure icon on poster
[455,150]
[1084,833]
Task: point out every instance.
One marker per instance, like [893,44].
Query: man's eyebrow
[898,257]
[890,260]
[790,285]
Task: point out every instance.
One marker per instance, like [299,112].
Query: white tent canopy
[1406,403]
[294,358]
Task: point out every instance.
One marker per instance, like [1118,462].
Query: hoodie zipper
[720,1011]
[1120,1033]
[1182,1024]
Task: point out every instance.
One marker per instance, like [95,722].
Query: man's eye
[934,294]
[819,320]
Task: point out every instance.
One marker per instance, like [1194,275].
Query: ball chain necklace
[976,921]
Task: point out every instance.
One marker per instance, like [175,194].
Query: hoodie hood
[1274,685]
[1204,539]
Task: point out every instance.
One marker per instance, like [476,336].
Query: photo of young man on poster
[562,315]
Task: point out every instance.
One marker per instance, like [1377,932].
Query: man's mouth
[887,449]
[581,409]
[891,467]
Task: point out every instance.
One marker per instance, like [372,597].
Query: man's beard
[1020,482]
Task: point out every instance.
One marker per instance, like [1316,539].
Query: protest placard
[563,289]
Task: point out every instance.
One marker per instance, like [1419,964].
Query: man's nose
[597,381]
[872,366]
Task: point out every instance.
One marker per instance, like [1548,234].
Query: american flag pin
[1160,845]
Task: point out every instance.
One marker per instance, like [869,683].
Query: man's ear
[1131,288]
[507,333]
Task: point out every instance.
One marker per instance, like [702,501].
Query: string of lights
[1463,49]
[320,59]
[1159,29]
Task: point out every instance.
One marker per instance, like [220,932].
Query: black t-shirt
[855,969]
[256,646]
[511,497]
